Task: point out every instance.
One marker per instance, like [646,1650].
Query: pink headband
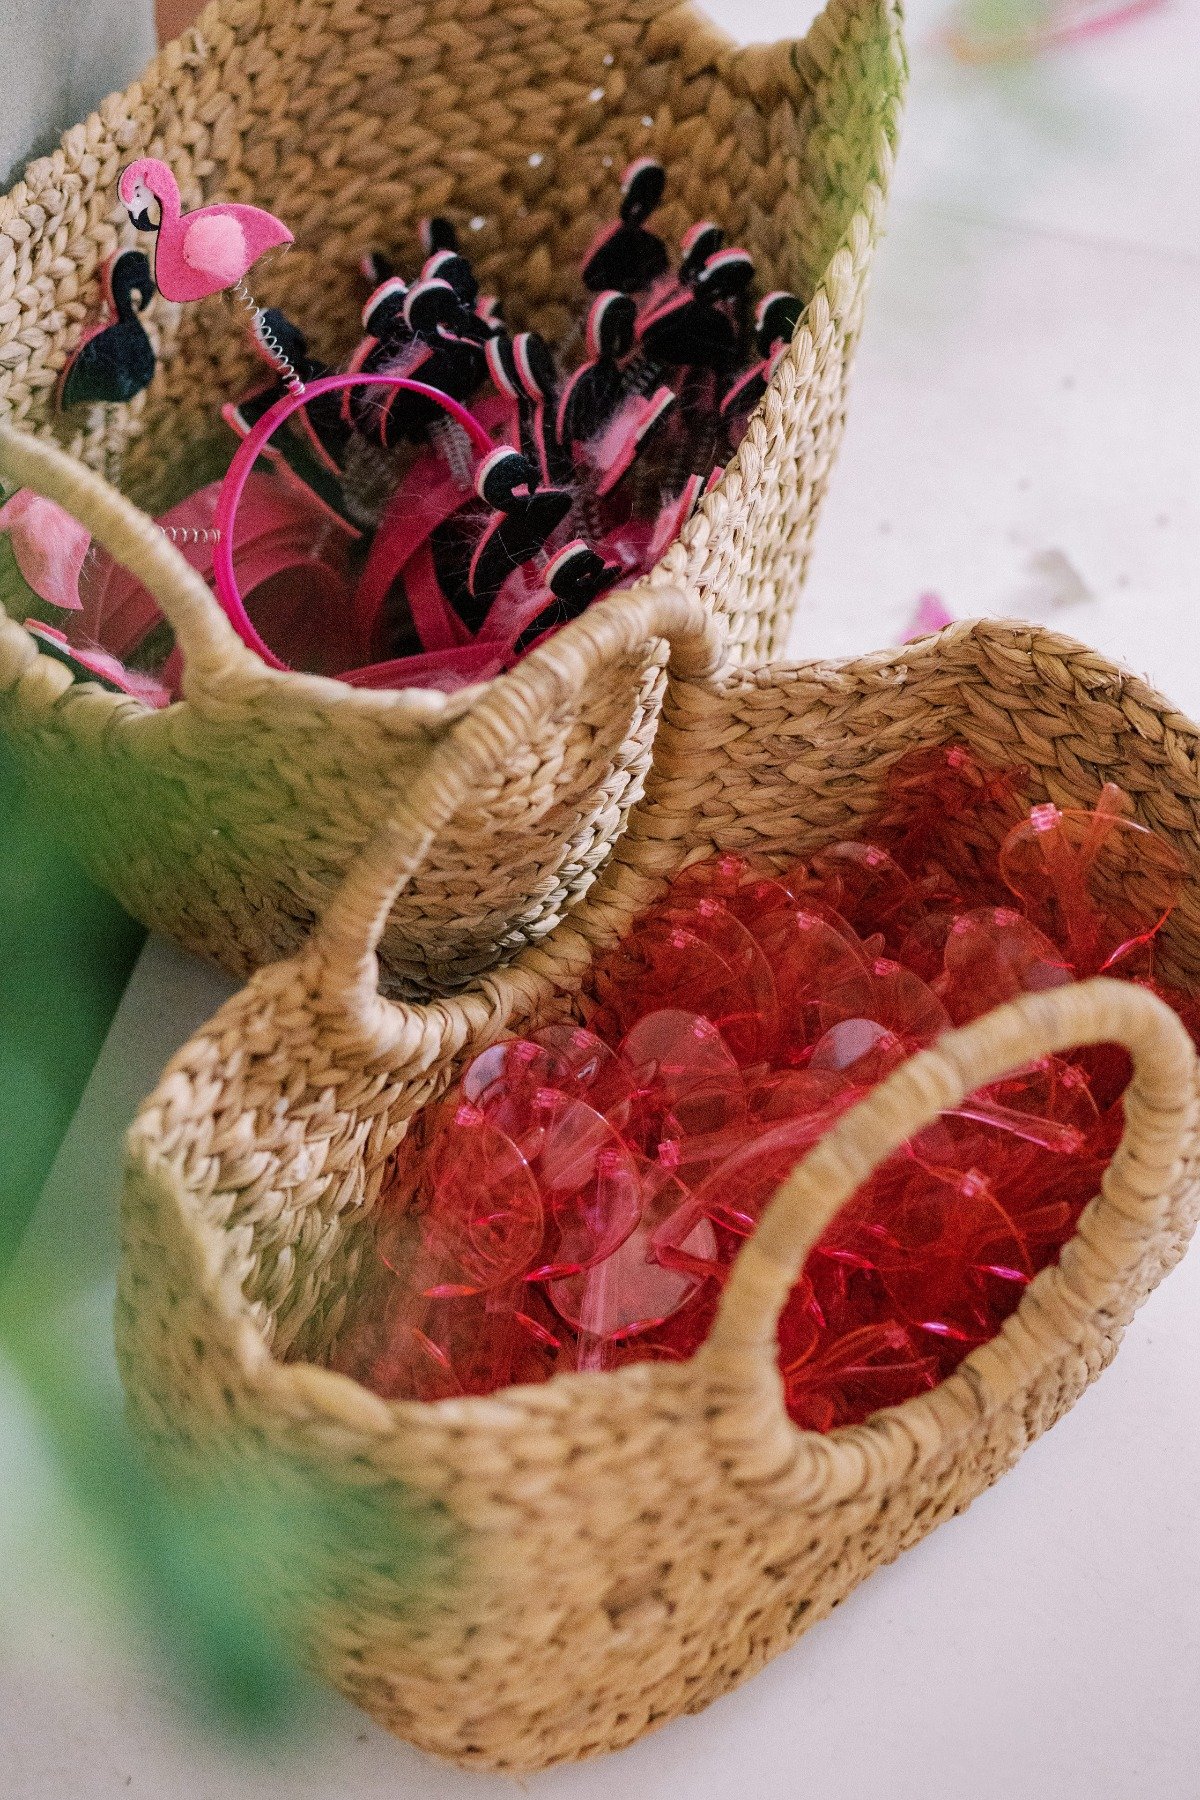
[251,448]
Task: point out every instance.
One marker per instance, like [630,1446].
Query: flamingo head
[142,188]
[429,304]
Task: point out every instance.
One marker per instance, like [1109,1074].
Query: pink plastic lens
[860,1049]
[951,1257]
[890,995]
[736,1194]
[483,1221]
[991,956]
[701,961]
[660,965]
[1095,882]
[504,1080]
[689,1083]
[589,1185]
[745,1010]
[869,889]
[597,1072]
[810,957]
[631,1291]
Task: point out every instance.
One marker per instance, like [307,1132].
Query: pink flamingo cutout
[197,253]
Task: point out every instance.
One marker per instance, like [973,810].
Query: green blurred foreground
[183,1578]
[65,955]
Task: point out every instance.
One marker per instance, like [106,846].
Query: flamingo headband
[197,253]
[612,455]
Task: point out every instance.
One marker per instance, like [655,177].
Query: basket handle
[492,731]
[203,633]
[739,1355]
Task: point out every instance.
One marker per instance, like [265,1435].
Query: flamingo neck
[129,286]
[165,189]
[122,293]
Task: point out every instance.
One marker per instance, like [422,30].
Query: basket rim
[825,1466]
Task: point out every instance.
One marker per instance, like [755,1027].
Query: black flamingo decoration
[574,578]
[115,359]
[624,254]
[523,519]
[594,392]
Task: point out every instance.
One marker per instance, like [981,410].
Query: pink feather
[214,244]
[930,614]
[99,662]
[49,545]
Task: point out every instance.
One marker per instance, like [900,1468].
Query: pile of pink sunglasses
[578,1200]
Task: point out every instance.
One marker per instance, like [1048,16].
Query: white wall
[59,58]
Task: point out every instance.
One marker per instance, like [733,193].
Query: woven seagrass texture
[227,820]
[615,1549]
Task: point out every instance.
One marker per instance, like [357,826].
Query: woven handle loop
[203,633]
[484,740]
[740,1353]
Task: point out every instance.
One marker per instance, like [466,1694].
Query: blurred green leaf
[66,951]
[204,1575]
[1005,19]
[185,1573]
[166,1568]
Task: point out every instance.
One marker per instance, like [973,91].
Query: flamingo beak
[139,205]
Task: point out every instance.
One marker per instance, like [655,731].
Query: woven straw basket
[228,819]
[619,1548]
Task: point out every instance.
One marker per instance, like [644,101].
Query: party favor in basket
[227,818]
[624,1546]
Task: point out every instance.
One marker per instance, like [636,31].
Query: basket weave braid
[616,1549]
